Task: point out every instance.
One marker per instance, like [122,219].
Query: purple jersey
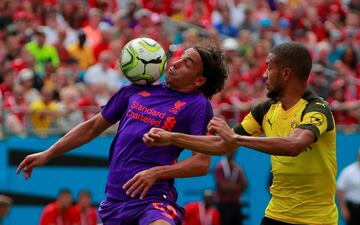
[139,108]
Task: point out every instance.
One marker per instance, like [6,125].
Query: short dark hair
[63,191]
[295,56]
[215,69]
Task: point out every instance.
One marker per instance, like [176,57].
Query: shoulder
[52,207]
[261,109]
[351,168]
[191,205]
[318,107]
[315,103]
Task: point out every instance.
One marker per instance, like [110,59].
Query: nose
[177,63]
[265,75]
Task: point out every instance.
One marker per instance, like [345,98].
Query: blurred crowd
[59,57]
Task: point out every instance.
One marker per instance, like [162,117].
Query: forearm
[197,165]
[212,145]
[341,198]
[79,135]
[282,146]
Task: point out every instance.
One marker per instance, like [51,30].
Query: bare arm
[213,145]
[197,165]
[344,209]
[228,140]
[291,145]
[76,137]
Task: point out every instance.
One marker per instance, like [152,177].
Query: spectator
[58,212]
[202,213]
[68,106]
[348,192]
[81,52]
[87,102]
[42,52]
[145,26]
[199,12]
[16,111]
[7,83]
[225,27]
[5,205]
[104,44]
[60,46]
[43,111]
[103,73]
[230,184]
[93,34]
[26,80]
[83,213]
[248,22]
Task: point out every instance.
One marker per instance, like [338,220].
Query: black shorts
[269,221]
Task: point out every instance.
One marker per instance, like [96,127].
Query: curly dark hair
[215,69]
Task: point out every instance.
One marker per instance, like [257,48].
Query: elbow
[295,148]
[203,165]
[204,169]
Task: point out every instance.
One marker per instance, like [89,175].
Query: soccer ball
[142,61]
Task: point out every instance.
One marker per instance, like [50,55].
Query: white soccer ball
[142,61]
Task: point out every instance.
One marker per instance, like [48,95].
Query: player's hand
[345,214]
[141,183]
[32,161]
[157,137]
[220,127]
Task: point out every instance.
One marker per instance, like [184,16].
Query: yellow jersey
[303,188]
[39,121]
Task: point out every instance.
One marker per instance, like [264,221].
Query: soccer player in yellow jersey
[300,136]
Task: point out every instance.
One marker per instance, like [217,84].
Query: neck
[183,89]
[292,95]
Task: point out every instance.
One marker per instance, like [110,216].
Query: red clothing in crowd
[18,109]
[229,175]
[161,7]
[51,215]
[87,106]
[196,214]
[83,218]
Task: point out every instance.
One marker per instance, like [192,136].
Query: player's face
[272,77]
[186,73]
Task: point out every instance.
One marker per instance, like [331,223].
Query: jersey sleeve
[118,104]
[251,124]
[317,118]
[202,115]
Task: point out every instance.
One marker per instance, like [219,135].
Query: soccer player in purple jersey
[180,105]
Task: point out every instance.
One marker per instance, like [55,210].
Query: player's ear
[200,81]
[287,73]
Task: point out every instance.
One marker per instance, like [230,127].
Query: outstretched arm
[228,140]
[213,145]
[197,165]
[292,145]
[76,137]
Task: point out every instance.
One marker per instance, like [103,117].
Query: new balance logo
[144,94]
